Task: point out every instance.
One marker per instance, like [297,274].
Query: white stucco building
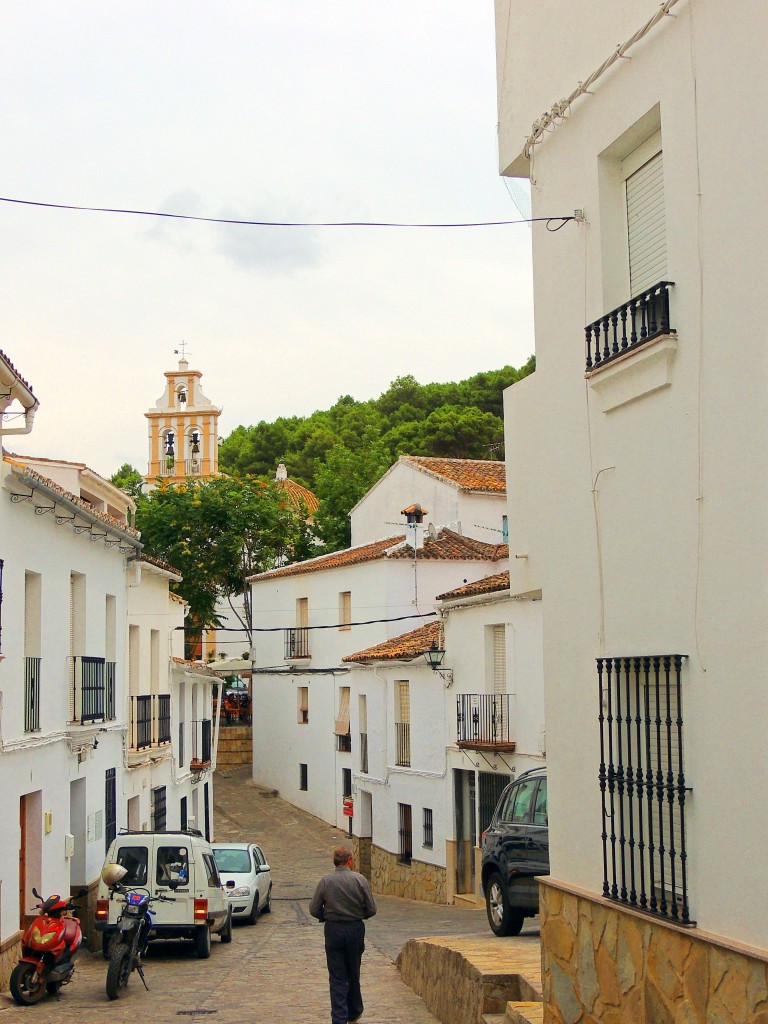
[89,728]
[346,706]
[641,438]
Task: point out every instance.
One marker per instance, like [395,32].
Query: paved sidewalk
[273,973]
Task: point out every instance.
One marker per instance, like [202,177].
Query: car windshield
[235,861]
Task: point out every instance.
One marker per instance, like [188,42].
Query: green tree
[217,533]
[342,480]
[128,479]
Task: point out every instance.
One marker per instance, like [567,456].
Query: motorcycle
[129,945]
[49,947]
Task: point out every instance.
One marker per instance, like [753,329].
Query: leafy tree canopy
[128,479]
[217,533]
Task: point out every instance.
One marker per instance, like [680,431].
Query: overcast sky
[266,110]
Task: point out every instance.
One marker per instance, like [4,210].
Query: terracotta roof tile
[14,371]
[404,647]
[446,546]
[469,474]
[299,496]
[489,585]
[27,471]
[144,557]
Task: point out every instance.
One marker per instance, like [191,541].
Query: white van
[179,865]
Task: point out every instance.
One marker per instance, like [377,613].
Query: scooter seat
[71,930]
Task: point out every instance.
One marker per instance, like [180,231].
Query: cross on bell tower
[183,428]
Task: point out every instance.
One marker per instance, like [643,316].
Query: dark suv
[515,851]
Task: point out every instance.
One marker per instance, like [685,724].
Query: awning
[342,720]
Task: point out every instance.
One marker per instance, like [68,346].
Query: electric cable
[282,223]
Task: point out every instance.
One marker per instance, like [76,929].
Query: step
[462,979]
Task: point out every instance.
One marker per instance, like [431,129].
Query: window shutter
[646,225]
[499,659]
[403,702]
[342,721]
[303,698]
[363,713]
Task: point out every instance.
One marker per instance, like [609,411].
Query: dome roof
[300,496]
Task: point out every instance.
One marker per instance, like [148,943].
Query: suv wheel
[503,919]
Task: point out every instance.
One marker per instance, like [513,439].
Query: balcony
[193,467]
[92,690]
[296,643]
[201,745]
[31,694]
[483,721]
[626,328]
[150,721]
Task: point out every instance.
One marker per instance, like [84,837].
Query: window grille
[303,777]
[428,840]
[405,833]
[403,723]
[490,787]
[158,809]
[642,784]
[110,807]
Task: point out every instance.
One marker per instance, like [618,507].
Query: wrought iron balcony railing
[642,784]
[31,694]
[201,743]
[296,643]
[484,720]
[629,326]
[150,721]
[403,741]
[141,722]
[92,690]
[164,718]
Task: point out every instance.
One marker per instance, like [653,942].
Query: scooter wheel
[119,970]
[27,986]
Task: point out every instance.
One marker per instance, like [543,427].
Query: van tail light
[102,910]
[201,910]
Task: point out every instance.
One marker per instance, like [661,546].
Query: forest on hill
[340,452]
[454,420]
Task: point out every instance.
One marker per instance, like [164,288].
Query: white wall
[643,525]
[377,515]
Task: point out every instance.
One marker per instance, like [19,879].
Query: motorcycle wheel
[119,970]
[27,987]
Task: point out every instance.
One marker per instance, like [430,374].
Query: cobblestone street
[273,973]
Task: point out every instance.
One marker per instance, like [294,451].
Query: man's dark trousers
[344,945]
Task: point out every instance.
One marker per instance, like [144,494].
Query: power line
[280,629]
[286,223]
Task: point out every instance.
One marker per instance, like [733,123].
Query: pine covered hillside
[454,420]
[340,452]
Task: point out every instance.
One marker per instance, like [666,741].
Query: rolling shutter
[646,225]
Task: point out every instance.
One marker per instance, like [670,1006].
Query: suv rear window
[134,860]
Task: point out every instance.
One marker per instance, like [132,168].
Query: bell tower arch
[183,430]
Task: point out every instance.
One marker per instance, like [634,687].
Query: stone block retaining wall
[604,964]
[10,951]
[414,881]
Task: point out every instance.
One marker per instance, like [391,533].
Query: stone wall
[414,881]
[361,848]
[605,964]
[235,746]
[10,951]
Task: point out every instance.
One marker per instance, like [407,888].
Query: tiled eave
[405,647]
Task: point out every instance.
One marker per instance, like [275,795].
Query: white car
[246,879]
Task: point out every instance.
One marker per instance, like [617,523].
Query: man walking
[343,900]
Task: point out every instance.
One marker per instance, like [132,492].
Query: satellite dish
[432,531]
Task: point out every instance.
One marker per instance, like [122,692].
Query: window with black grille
[405,833]
[642,784]
[428,839]
[303,777]
[110,807]
[158,809]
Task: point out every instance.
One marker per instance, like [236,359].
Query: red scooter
[49,947]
